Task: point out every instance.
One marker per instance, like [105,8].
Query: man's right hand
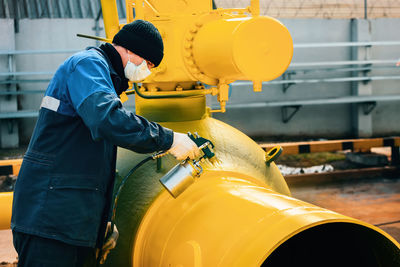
[183,147]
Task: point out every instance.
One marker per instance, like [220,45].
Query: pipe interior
[336,244]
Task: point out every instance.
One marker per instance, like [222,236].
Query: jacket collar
[114,61]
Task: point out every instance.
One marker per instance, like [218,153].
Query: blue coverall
[64,187]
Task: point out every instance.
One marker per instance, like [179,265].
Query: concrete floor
[7,252]
[375,201]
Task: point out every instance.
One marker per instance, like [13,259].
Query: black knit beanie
[142,38]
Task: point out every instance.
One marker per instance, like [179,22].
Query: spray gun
[184,173]
[180,176]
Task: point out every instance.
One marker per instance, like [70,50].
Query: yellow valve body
[211,46]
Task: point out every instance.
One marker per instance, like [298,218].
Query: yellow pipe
[228,219]
[15,163]
[129,10]
[5,208]
[110,17]
[139,9]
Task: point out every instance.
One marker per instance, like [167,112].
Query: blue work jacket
[64,187]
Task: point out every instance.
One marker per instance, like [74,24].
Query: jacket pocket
[73,208]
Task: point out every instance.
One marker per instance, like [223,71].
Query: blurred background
[342,83]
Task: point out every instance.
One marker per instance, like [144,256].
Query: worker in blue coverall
[63,193]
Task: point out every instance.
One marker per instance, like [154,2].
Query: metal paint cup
[180,177]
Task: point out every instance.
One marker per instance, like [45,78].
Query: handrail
[346,44]
[38,52]
[308,102]
[340,79]
[354,66]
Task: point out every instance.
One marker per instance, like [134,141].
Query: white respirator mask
[135,73]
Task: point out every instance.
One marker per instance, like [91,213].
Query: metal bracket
[287,76]
[288,112]
[366,72]
[10,125]
[368,107]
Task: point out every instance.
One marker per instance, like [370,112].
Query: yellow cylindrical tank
[243,48]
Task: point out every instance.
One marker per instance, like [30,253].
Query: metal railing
[353,67]
[286,80]
[12,77]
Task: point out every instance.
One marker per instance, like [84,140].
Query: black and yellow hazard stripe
[336,145]
[10,166]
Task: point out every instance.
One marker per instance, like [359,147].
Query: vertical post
[110,17]
[395,156]
[139,9]
[361,32]
[365,9]
[129,11]
[255,7]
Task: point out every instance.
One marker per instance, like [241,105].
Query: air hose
[114,209]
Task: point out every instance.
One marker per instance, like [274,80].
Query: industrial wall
[318,121]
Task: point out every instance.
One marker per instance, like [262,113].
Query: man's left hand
[110,242]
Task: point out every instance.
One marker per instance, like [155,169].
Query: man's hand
[110,242]
[183,147]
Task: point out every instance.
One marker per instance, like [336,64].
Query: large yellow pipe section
[238,213]
[228,219]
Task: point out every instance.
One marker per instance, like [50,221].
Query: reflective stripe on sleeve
[51,103]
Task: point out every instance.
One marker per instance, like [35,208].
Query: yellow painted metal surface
[242,48]
[5,208]
[173,109]
[239,212]
[224,219]
[110,17]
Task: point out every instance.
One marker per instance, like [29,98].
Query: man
[63,192]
